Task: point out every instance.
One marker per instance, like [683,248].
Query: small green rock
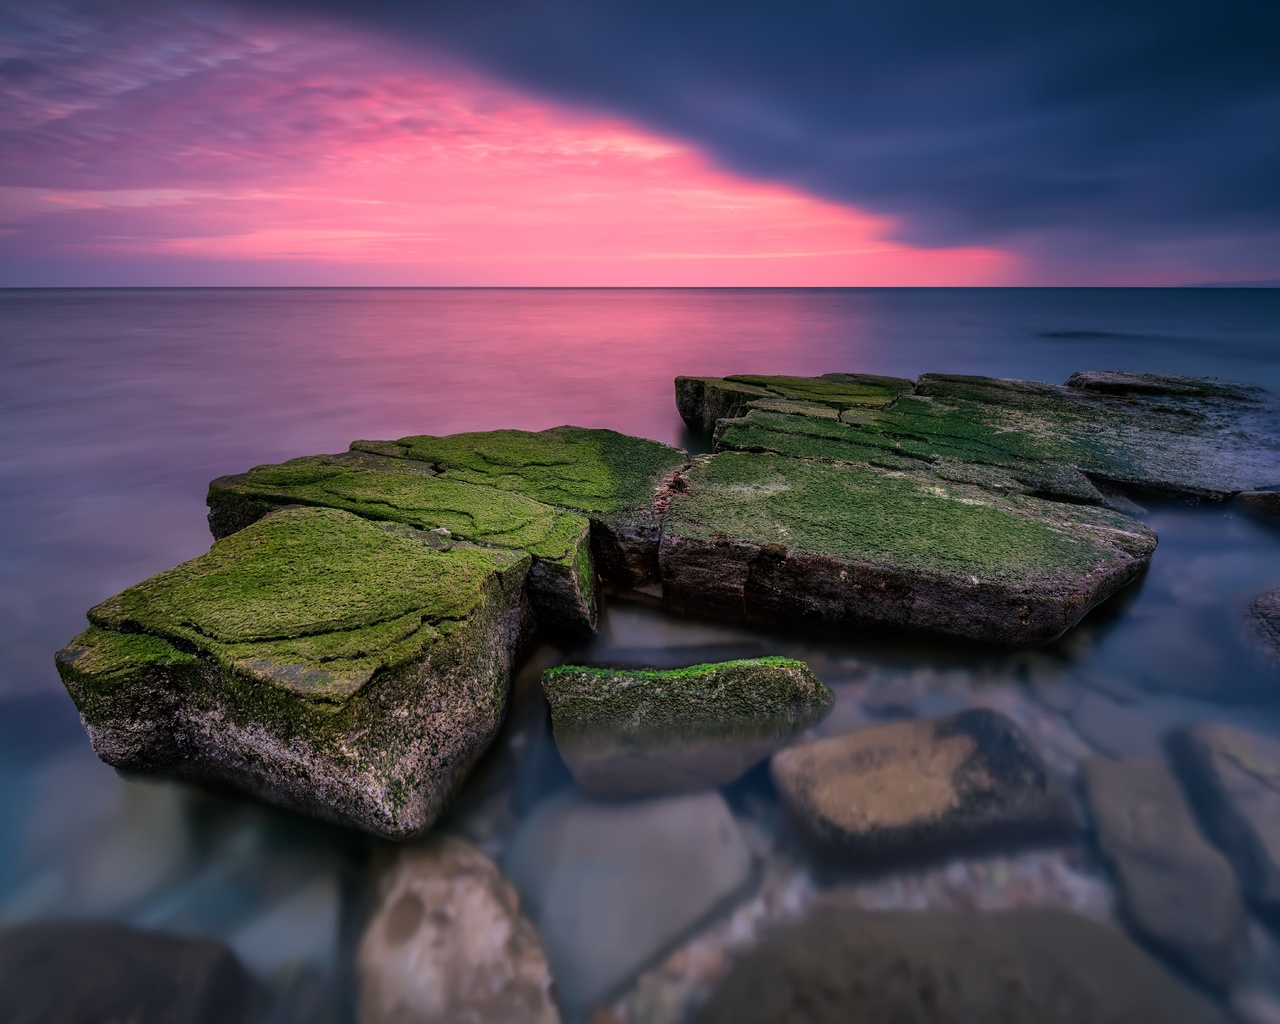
[642,732]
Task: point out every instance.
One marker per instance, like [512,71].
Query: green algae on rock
[704,400]
[772,538]
[643,732]
[614,479]
[323,662]
[1158,433]
[561,582]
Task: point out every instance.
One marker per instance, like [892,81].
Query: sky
[638,143]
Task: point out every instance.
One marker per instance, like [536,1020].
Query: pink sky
[232,152]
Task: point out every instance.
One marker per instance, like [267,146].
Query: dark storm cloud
[972,122]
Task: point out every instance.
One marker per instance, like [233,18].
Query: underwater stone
[1019,967]
[610,886]
[615,480]
[1233,778]
[636,732]
[449,944]
[920,788]
[1177,890]
[329,664]
[1265,504]
[777,539]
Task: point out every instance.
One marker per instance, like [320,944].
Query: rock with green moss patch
[1158,433]
[770,538]
[704,400]
[617,481]
[561,582]
[642,732]
[341,667]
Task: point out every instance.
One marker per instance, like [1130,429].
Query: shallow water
[117,408]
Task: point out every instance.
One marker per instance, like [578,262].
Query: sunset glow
[256,154]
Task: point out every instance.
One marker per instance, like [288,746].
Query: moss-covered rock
[704,400]
[561,583]
[321,661]
[640,732]
[616,480]
[1146,432]
[784,539]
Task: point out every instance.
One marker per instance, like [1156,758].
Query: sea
[118,406]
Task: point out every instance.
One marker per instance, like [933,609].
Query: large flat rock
[780,539]
[920,788]
[1022,967]
[636,732]
[612,886]
[341,667]
[1233,776]
[1157,433]
[1178,891]
[617,481]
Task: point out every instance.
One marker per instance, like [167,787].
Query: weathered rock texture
[1024,967]
[77,972]
[612,886]
[1156,433]
[449,945]
[1265,504]
[918,788]
[577,500]
[634,732]
[1177,890]
[776,538]
[1264,622]
[338,666]
[1233,776]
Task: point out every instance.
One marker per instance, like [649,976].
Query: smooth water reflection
[118,407]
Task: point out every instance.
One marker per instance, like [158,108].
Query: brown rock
[449,944]
[1024,967]
[920,787]
[1261,503]
[1177,890]
[1264,616]
[1233,777]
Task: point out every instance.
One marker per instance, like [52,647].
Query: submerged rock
[329,664]
[636,732]
[1177,889]
[1023,967]
[612,886]
[449,945]
[1233,776]
[75,972]
[1261,503]
[917,788]
[784,539]
[1264,622]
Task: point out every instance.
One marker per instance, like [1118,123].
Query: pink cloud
[266,145]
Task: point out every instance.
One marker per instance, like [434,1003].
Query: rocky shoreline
[347,647]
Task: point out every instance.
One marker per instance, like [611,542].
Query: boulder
[337,666]
[637,732]
[612,886]
[1233,778]
[702,401]
[919,788]
[778,539]
[1157,433]
[1021,967]
[449,944]
[74,972]
[1265,504]
[1177,890]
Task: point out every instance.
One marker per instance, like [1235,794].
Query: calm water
[117,408]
